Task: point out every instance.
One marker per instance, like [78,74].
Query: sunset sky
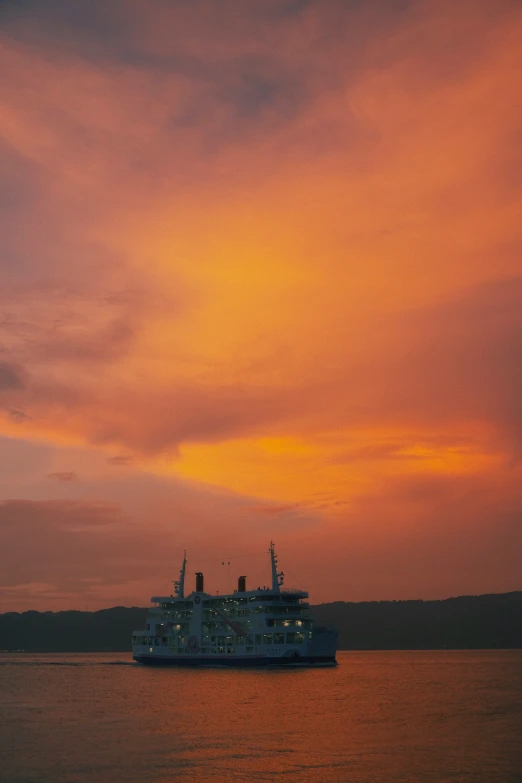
[260,278]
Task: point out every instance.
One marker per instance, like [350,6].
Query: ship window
[221,640]
[249,649]
[290,638]
[270,622]
[267,638]
[258,638]
[279,638]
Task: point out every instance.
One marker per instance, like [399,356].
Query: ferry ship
[266,626]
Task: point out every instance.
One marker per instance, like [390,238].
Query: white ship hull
[236,660]
[319,652]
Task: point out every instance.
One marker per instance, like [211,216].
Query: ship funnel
[199,582]
[241,584]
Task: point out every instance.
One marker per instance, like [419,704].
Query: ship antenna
[179,584]
[277,577]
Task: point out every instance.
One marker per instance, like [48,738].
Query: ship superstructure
[262,627]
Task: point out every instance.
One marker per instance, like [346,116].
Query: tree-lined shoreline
[491,621]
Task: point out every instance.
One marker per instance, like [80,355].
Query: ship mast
[277,577]
[179,584]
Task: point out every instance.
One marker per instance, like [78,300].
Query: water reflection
[377,717]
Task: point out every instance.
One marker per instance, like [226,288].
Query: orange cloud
[274,249]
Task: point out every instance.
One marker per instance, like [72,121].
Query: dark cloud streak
[12,376]
[65,477]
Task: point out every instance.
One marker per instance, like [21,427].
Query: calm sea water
[379,717]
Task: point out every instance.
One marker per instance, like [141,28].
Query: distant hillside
[468,622]
[108,630]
